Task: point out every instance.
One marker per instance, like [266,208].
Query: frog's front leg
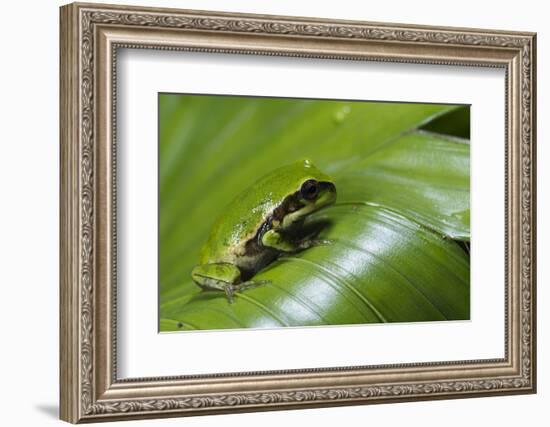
[276,240]
[222,276]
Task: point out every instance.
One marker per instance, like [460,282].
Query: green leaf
[421,175]
[403,195]
[380,267]
[456,122]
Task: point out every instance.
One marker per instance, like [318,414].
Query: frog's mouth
[326,197]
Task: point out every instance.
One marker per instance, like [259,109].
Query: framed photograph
[266,212]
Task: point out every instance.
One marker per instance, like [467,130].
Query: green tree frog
[260,224]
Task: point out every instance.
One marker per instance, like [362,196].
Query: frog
[261,224]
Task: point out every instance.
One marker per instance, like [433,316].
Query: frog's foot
[223,277]
[310,243]
[274,239]
[249,284]
[230,289]
[217,276]
[284,244]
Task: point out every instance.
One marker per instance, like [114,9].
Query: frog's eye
[310,189]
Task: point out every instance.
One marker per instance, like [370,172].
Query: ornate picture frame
[90,37]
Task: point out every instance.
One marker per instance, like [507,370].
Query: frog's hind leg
[249,284]
[217,276]
[224,277]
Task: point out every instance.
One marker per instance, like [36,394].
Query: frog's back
[243,217]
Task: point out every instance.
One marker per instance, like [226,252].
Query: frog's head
[313,190]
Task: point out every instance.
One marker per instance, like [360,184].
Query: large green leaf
[421,175]
[402,196]
[375,270]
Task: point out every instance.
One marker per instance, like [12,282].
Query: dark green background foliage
[400,227]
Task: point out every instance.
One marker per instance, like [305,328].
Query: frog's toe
[249,284]
[229,293]
[311,243]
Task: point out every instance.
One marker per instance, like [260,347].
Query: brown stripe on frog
[290,204]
